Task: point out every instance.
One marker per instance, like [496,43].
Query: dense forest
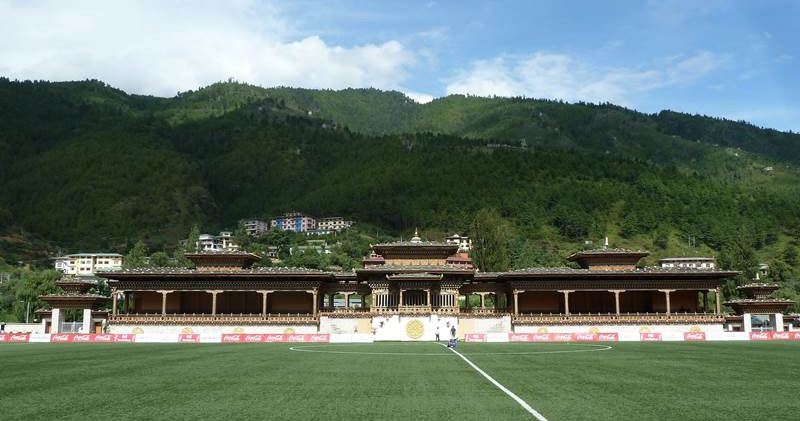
[84,167]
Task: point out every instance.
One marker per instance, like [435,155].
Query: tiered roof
[74,294]
[759,300]
[608,258]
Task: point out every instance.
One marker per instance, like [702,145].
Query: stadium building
[409,290]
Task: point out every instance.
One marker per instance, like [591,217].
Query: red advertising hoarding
[563,337]
[125,337]
[15,337]
[761,336]
[694,336]
[786,336]
[475,337]
[189,338]
[274,337]
[650,337]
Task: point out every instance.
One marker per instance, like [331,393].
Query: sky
[734,59]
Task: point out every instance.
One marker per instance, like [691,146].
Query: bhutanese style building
[408,289]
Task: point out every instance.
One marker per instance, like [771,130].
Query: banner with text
[694,336]
[475,337]
[650,337]
[277,337]
[563,337]
[15,337]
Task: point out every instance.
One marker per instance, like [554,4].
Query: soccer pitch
[402,381]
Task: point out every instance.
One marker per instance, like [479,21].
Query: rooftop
[687,259]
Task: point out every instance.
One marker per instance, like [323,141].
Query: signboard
[15,337]
[125,337]
[475,337]
[694,336]
[274,338]
[82,337]
[189,338]
[563,337]
[61,337]
[761,336]
[786,336]
[650,337]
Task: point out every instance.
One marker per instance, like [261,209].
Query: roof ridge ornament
[416,238]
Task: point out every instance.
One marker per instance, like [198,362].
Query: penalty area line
[505,390]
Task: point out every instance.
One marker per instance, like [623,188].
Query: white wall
[214,331]
[23,328]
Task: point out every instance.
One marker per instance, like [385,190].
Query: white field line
[505,390]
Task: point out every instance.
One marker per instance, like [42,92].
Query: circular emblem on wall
[542,330]
[187,331]
[137,331]
[415,329]
[594,330]
[288,331]
[238,330]
[644,329]
[695,329]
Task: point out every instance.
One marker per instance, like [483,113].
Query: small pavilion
[759,310]
[74,296]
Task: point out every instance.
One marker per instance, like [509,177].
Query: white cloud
[561,76]
[164,47]
[419,97]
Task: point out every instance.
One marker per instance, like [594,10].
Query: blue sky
[733,59]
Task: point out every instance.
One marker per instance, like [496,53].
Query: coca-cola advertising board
[694,336]
[475,337]
[274,337]
[563,337]
[650,337]
[189,338]
[125,337]
[15,337]
[761,336]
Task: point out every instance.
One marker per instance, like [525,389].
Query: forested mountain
[84,166]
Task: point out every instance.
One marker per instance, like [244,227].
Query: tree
[137,256]
[159,259]
[490,234]
[193,240]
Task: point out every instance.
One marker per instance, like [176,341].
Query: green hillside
[87,167]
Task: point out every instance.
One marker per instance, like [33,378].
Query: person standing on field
[437,333]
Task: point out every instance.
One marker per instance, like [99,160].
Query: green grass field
[416,381]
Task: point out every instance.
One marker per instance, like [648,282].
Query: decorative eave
[170,272]
[73,301]
[608,259]
[647,272]
[396,269]
[760,305]
[212,260]
[422,276]
[758,290]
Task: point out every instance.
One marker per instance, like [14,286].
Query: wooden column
[566,300]
[264,302]
[616,298]
[314,306]
[705,301]
[666,292]
[347,300]
[164,302]
[717,299]
[213,301]
[114,296]
[516,301]
[483,299]
[400,303]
